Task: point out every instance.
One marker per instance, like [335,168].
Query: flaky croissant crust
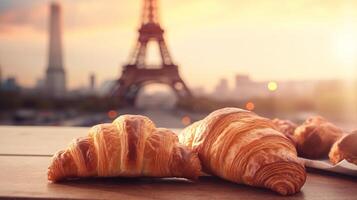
[286,127]
[315,137]
[345,148]
[131,146]
[242,147]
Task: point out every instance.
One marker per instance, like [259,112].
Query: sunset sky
[208,39]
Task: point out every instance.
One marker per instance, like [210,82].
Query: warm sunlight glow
[299,39]
[346,47]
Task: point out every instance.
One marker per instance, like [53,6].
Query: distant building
[55,74]
[40,85]
[92,87]
[199,91]
[245,88]
[222,90]
[301,89]
[10,84]
[106,87]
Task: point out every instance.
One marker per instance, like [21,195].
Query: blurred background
[83,62]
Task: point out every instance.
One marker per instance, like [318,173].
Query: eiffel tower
[137,73]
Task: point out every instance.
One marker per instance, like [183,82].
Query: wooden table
[24,157]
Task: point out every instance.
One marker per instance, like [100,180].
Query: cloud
[14,14]
[76,15]
[80,15]
[11,4]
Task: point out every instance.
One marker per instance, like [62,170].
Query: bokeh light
[112,114]
[272,86]
[186,120]
[178,86]
[250,106]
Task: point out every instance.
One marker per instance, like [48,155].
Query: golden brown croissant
[243,147]
[345,148]
[286,127]
[315,137]
[131,146]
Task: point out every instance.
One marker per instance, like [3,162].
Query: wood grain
[26,177]
[33,140]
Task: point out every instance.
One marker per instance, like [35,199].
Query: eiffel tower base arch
[133,79]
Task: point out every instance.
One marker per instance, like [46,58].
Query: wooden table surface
[24,157]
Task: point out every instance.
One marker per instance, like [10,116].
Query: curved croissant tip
[61,166]
[51,176]
[51,171]
[282,190]
[285,189]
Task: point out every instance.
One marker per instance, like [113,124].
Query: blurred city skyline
[209,39]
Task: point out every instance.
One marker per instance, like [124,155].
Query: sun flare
[346,48]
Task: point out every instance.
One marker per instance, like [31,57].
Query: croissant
[345,148]
[286,127]
[131,146]
[242,147]
[315,137]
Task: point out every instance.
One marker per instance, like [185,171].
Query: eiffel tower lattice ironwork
[137,73]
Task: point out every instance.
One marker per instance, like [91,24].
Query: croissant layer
[345,148]
[242,147]
[131,146]
[315,137]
